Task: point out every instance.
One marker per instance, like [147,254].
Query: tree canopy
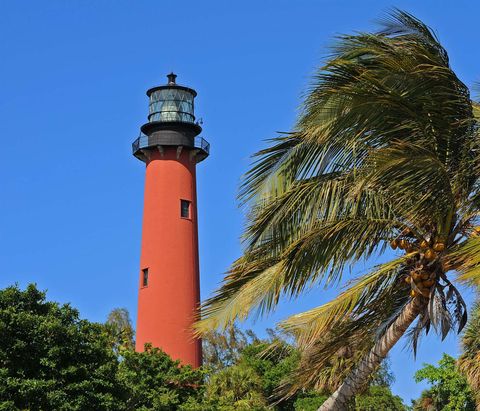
[50,359]
[449,388]
[120,329]
[469,361]
[262,368]
[153,381]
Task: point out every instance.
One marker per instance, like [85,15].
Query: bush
[309,403]
[50,359]
[153,381]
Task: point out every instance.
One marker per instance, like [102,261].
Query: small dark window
[144,277]
[185,208]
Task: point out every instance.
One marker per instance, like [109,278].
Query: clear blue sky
[73,76]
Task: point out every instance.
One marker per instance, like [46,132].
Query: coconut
[416,276]
[394,244]
[430,255]
[424,244]
[439,247]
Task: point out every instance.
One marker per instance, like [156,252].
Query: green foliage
[240,352]
[119,327]
[262,368]
[310,403]
[469,361]
[450,390]
[374,399]
[274,365]
[52,360]
[235,388]
[378,398]
[153,381]
[222,349]
[383,377]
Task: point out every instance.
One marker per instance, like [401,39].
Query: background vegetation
[51,359]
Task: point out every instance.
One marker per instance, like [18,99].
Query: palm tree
[469,361]
[120,329]
[385,152]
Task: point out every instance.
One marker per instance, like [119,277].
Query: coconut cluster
[424,253]
[421,282]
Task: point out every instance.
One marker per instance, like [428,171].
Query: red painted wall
[166,307]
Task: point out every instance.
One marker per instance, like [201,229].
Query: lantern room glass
[171,104]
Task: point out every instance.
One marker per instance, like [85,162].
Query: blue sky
[73,79]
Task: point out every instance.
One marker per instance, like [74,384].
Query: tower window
[145,277]
[185,208]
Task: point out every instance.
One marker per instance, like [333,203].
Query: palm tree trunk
[339,400]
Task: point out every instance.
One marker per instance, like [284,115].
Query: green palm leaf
[309,326]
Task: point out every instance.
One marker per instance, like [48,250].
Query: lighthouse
[168,279]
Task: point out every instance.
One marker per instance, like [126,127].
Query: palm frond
[323,252]
[404,24]
[326,362]
[469,360]
[257,280]
[324,365]
[249,284]
[310,325]
[414,180]
[465,259]
[446,311]
[476,109]
[300,206]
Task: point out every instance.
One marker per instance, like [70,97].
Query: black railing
[140,142]
[144,141]
[202,144]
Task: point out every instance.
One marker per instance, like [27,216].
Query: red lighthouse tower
[169,290]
